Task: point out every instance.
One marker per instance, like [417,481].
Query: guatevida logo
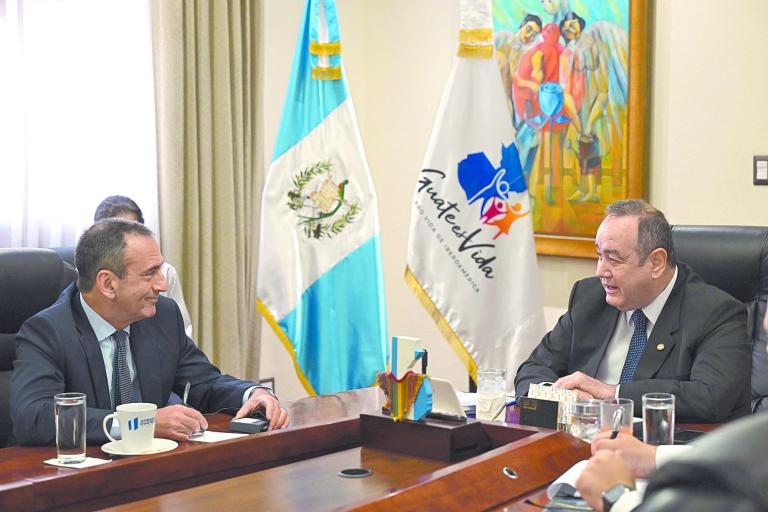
[496,189]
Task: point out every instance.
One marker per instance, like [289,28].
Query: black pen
[618,415]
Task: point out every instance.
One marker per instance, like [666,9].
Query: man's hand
[178,421]
[604,470]
[640,457]
[586,387]
[263,399]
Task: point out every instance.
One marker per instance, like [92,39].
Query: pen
[504,406]
[618,414]
[184,401]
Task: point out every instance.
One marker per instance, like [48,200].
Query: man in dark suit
[647,324]
[113,337]
[725,470]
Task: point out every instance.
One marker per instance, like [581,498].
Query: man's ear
[658,259]
[106,283]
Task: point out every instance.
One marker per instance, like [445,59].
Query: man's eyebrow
[609,252]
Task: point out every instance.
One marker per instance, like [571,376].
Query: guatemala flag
[471,255]
[320,283]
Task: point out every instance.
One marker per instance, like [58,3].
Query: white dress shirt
[632,499]
[609,370]
[103,331]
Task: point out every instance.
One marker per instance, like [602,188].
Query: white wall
[709,112]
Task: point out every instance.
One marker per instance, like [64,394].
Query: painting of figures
[565,66]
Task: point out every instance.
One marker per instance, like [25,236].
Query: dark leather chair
[67,254]
[735,259]
[30,281]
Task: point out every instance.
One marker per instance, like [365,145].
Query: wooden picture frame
[570,200]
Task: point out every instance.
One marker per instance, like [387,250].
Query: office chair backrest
[67,254]
[735,259]
[30,281]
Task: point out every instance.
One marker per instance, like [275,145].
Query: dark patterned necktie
[636,346]
[121,375]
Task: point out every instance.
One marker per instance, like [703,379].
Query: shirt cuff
[665,453]
[627,502]
[251,389]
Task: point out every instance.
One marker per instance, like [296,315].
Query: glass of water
[658,418]
[491,393]
[617,413]
[585,419]
[69,412]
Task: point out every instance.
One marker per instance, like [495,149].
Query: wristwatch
[612,495]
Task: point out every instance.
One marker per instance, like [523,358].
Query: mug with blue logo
[137,426]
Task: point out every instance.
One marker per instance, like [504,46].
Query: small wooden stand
[434,439]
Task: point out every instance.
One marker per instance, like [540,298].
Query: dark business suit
[57,351]
[698,350]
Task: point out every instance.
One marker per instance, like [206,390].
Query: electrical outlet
[760,170]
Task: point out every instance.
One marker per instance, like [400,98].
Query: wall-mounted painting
[576,75]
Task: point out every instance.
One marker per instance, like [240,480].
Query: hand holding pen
[184,402]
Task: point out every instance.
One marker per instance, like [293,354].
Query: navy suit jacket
[698,349]
[57,352]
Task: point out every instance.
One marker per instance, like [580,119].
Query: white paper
[214,437]
[87,463]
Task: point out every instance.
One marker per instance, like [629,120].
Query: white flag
[471,255]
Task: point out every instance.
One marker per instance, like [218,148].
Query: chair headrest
[30,281]
[733,258]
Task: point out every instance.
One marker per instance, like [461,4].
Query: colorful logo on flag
[321,202]
[493,188]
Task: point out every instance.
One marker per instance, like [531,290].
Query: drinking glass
[491,393]
[69,413]
[658,418]
[610,417]
[585,419]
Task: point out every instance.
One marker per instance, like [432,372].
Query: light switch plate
[760,170]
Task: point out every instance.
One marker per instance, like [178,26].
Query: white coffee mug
[137,426]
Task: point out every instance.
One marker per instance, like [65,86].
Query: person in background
[126,208]
[725,470]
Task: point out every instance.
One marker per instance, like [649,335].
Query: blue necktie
[636,346]
[121,375]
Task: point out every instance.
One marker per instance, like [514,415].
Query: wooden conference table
[297,468]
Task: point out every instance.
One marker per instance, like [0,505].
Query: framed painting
[576,76]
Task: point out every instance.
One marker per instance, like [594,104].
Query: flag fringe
[287,344]
[442,324]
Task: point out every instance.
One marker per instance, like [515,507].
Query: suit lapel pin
[660,347]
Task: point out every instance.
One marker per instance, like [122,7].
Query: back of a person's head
[118,206]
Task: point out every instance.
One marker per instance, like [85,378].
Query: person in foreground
[647,323]
[113,337]
[725,470]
